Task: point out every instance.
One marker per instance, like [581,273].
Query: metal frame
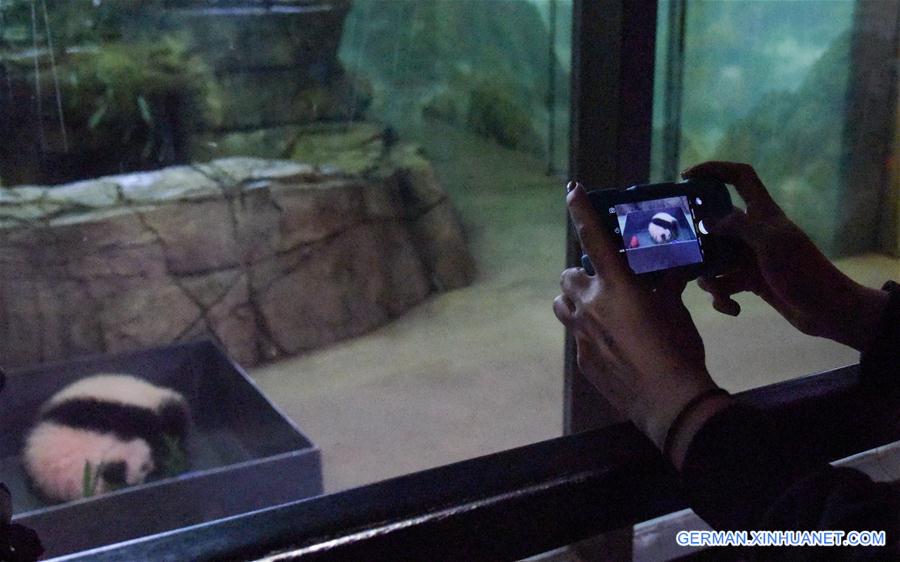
[674,77]
[869,134]
[613,52]
[613,48]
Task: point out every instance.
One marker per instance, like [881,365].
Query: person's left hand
[636,344]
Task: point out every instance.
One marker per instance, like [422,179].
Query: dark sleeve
[737,467]
[879,364]
[740,473]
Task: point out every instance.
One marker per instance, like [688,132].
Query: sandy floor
[479,370]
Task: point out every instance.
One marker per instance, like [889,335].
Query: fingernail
[570,186]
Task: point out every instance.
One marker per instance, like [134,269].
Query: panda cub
[663,228]
[110,430]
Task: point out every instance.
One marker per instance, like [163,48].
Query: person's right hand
[784,267]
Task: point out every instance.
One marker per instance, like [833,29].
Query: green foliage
[494,113]
[118,93]
[413,43]
[355,149]
[127,94]
[490,110]
[447,106]
[738,52]
[795,140]
[453,60]
[175,460]
[89,480]
[79,22]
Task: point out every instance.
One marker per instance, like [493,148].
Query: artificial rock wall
[270,258]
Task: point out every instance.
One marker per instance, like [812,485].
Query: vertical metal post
[613,48]
[551,91]
[674,65]
[865,218]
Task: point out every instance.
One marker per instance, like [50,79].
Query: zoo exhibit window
[333,194]
[534,487]
[799,99]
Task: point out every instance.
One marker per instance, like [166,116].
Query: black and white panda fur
[116,423]
[663,228]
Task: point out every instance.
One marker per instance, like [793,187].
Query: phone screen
[659,234]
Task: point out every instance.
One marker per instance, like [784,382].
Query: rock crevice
[267,257]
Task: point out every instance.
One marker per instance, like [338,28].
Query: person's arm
[636,344]
[880,362]
[879,365]
[650,366]
[784,267]
[740,473]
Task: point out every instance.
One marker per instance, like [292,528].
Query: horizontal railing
[523,501]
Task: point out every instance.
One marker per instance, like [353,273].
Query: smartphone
[660,227]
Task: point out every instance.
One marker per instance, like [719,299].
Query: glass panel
[769,83]
[358,202]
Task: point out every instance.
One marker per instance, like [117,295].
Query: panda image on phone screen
[663,228]
[658,234]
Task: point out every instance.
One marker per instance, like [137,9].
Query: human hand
[784,267]
[638,346]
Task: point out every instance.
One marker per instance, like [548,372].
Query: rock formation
[268,257]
